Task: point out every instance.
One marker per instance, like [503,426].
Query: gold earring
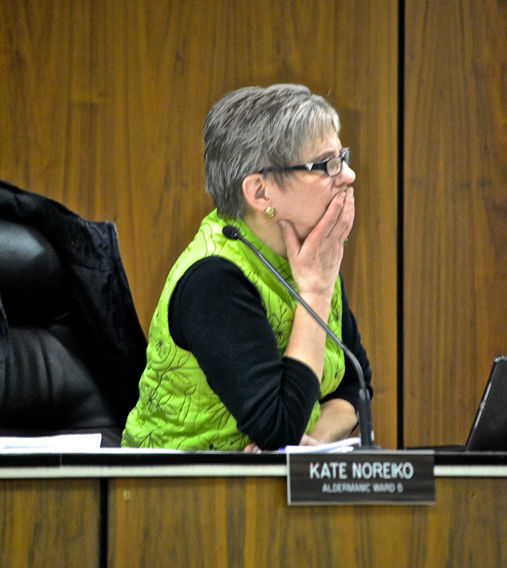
[270,211]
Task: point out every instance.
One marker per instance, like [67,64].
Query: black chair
[71,347]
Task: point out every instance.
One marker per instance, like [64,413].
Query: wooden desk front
[50,523]
[245,522]
[110,514]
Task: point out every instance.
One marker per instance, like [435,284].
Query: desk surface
[150,463]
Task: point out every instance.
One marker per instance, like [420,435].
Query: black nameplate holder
[361,477]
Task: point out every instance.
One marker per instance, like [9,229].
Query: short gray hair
[254,128]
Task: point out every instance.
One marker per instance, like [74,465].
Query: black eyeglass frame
[344,156]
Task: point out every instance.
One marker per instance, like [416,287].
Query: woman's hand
[315,265]
[338,418]
[309,441]
[252,448]
[316,261]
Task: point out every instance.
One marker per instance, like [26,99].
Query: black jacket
[97,294]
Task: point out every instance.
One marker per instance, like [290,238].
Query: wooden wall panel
[455,203]
[47,523]
[246,522]
[102,104]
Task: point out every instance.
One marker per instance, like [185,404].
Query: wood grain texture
[455,226]
[49,523]
[102,104]
[246,522]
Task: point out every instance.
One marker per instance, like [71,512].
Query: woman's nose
[347,175]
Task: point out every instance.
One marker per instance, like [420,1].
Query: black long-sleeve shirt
[218,315]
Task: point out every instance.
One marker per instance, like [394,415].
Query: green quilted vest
[176,408]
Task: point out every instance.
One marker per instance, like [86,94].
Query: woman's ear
[256,192]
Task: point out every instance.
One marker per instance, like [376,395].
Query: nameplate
[361,477]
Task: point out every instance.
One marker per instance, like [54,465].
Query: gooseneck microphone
[364,408]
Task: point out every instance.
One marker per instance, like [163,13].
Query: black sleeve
[348,389]
[217,314]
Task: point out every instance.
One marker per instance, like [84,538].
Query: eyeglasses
[332,166]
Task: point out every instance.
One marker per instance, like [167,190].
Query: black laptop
[489,429]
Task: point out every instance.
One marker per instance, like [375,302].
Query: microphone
[364,408]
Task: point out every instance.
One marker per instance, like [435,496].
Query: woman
[233,361]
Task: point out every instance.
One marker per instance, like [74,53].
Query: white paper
[59,443]
[341,446]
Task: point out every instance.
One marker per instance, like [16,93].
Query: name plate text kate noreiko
[361,477]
